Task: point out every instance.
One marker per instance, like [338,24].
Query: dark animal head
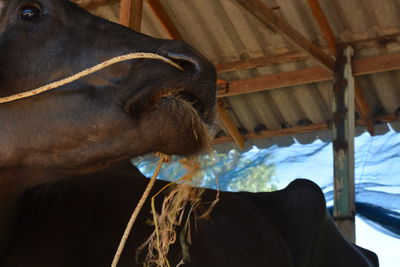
[125,110]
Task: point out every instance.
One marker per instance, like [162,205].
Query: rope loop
[164,157]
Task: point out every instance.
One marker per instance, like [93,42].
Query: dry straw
[178,207]
[183,193]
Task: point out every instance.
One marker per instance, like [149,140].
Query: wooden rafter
[229,125]
[323,25]
[378,41]
[165,20]
[361,103]
[278,80]
[316,127]
[261,61]
[269,18]
[310,75]
[363,108]
[130,14]
[89,4]
[278,132]
[299,56]
[376,64]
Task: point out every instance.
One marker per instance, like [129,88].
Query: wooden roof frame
[297,56]
[363,66]
[270,19]
[130,14]
[286,79]
[361,103]
[315,127]
[165,20]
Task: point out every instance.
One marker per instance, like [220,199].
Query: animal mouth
[180,95]
[194,86]
[169,96]
[176,108]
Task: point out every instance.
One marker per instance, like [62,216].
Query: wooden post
[343,143]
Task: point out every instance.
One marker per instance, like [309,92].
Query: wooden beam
[310,75]
[165,20]
[261,61]
[278,80]
[386,119]
[229,125]
[278,132]
[323,25]
[379,41]
[343,144]
[363,108]
[299,56]
[376,64]
[317,127]
[130,14]
[268,17]
[89,4]
[361,103]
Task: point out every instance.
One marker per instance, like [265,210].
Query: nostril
[186,62]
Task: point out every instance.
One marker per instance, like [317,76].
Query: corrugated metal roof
[225,32]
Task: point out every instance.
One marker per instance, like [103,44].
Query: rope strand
[86,72]
[163,159]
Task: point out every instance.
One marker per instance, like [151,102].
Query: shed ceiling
[225,32]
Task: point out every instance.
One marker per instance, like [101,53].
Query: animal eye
[30,11]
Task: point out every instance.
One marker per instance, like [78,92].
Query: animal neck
[10,194]
[9,211]
[13,183]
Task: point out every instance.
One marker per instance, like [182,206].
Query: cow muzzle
[195,85]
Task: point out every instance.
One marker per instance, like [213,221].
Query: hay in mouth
[172,109]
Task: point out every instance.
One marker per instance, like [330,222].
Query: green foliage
[232,171]
[258,179]
[237,171]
